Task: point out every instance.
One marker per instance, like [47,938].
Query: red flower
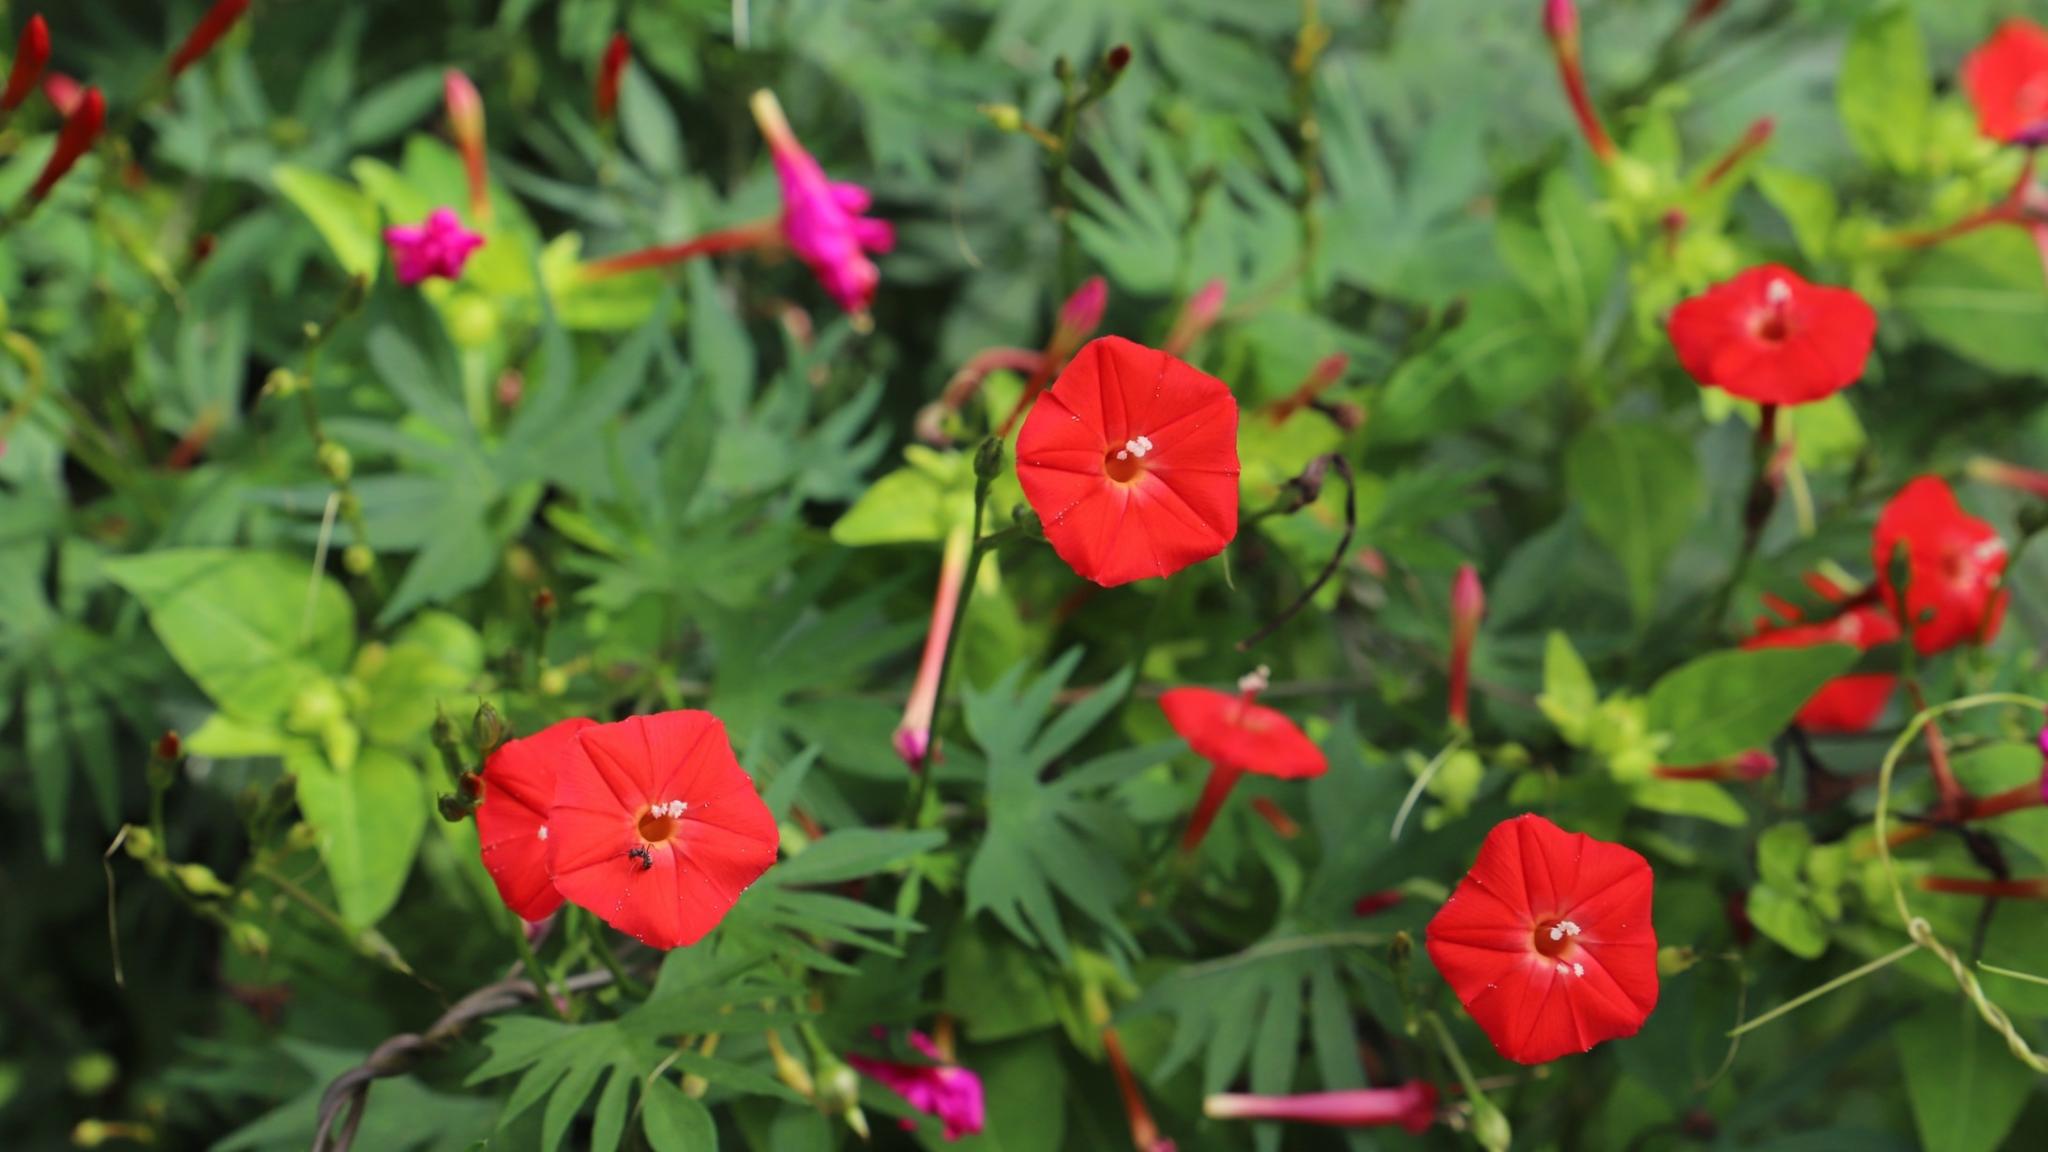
[1956,566]
[1847,703]
[1130,461]
[205,34]
[1411,1106]
[30,55]
[1771,337]
[1548,941]
[657,829]
[2007,79]
[512,821]
[81,127]
[1236,735]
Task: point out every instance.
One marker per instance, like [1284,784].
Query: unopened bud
[454,809]
[553,682]
[545,607]
[1673,959]
[140,843]
[200,881]
[168,746]
[488,729]
[988,460]
[357,559]
[303,837]
[336,462]
[1490,1127]
[249,939]
[1006,117]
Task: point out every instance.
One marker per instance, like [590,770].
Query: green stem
[534,972]
[1456,1058]
[922,790]
[594,932]
[1841,981]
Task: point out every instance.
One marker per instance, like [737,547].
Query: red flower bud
[466,125]
[609,73]
[75,139]
[29,58]
[218,20]
[62,92]
[1468,606]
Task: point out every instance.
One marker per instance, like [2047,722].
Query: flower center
[1774,323]
[1553,937]
[658,823]
[1127,463]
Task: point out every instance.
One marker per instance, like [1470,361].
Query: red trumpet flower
[1548,941]
[218,20]
[2007,80]
[75,139]
[1236,735]
[657,829]
[1130,461]
[512,820]
[1956,567]
[1771,337]
[30,55]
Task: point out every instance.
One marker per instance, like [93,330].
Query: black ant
[644,855]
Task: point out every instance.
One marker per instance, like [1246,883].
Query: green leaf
[855,852]
[1967,1091]
[1786,919]
[1886,89]
[1639,489]
[433,662]
[920,503]
[370,820]
[242,624]
[1980,297]
[343,216]
[1026,1092]
[1569,696]
[1806,202]
[1564,254]
[672,1122]
[1730,702]
[1781,855]
[1703,799]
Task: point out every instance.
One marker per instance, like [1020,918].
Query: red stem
[2032,888]
[760,234]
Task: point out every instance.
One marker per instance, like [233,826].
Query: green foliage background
[714,474]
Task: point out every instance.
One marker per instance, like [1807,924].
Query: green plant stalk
[1062,191]
[1308,48]
[534,972]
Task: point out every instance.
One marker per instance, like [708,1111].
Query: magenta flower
[946,1091]
[823,221]
[438,247]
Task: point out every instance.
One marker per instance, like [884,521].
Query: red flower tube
[75,139]
[30,55]
[1468,607]
[1548,942]
[1236,735]
[609,72]
[217,22]
[466,125]
[1561,24]
[1411,1106]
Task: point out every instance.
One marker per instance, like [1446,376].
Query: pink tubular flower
[30,55]
[914,733]
[440,246]
[1468,607]
[466,125]
[1411,1106]
[1196,317]
[823,222]
[943,1090]
[217,22]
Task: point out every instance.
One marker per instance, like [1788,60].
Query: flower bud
[988,460]
[357,559]
[1674,959]
[335,462]
[488,729]
[30,55]
[1006,117]
[140,843]
[553,682]
[217,22]
[249,939]
[1490,1127]
[1079,317]
[466,125]
[168,746]
[200,881]
[609,72]
[454,809]
[282,382]
[302,837]
[81,129]
[1468,607]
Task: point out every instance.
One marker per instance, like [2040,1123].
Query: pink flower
[823,221]
[438,247]
[1411,1106]
[946,1091]
[913,738]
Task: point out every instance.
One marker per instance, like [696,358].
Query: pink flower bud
[1411,1106]
[1468,607]
[1197,316]
[30,55]
[62,92]
[1079,317]
[1561,20]
[466,125]
[75,139]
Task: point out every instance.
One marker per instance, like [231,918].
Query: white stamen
[1562,929]
[543,831]
[1563,970]
[1256,680]
[1123,455]
[1578,969]
[672,809]
[1137,447]
[1778,293]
